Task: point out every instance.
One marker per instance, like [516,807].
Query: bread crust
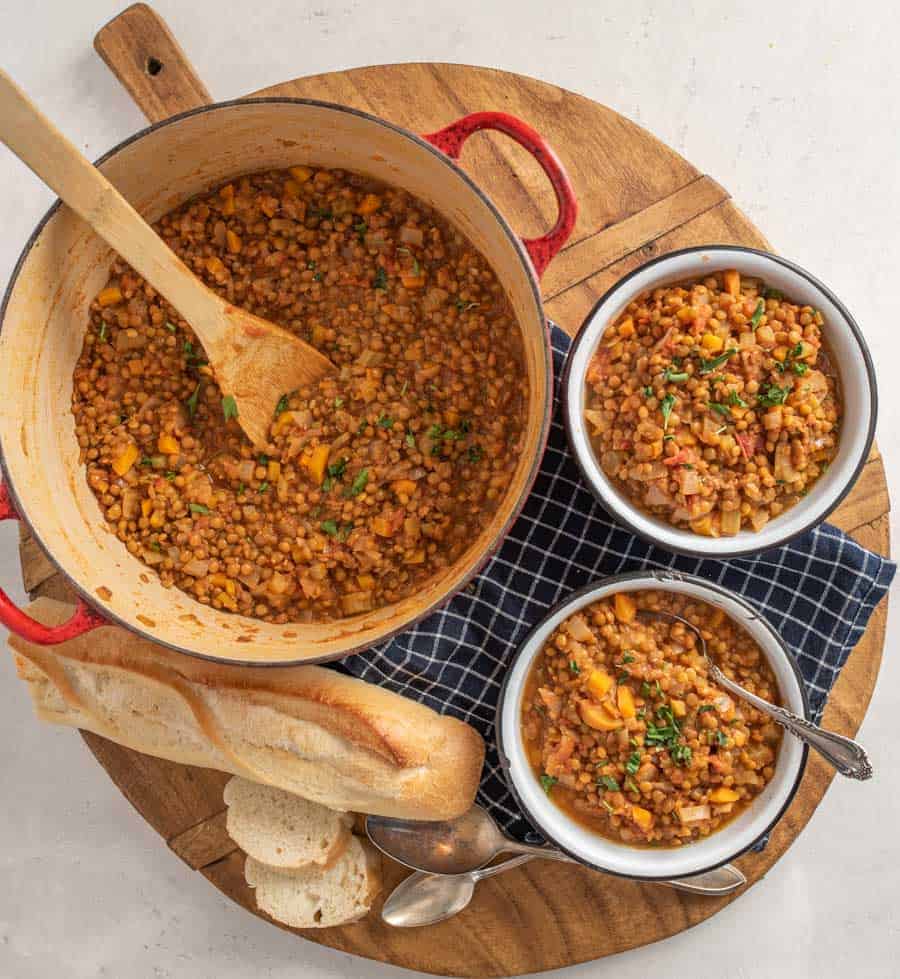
[329,737]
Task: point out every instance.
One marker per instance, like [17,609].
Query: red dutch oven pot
[63,265]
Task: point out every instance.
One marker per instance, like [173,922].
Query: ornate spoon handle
[848,757]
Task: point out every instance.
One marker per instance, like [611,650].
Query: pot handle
[451,138]
[83,619]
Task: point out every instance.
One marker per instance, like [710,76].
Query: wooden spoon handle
[43,148]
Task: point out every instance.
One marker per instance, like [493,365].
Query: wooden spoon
[254,361]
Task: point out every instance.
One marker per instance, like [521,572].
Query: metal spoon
[848,757]
[458,847]
[426,899]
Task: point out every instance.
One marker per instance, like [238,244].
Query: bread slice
[318,897]
[283,830]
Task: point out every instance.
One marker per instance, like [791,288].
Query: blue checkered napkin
[817,593]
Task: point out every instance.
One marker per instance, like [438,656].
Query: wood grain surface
[638,199]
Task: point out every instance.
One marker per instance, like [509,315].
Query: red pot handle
[83,619]
[450,140]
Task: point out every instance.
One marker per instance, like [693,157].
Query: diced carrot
[625,700]
[722,795]
[273,470]
[233,241]
[227,195]
[626,327]
[369,205]
[732,279]
[599,683]
[404,487]
[168,445]
[125,459]
[412,281]
[679,708]
[146,507]
[712,342]
[366,582]
[624,607]
[314,462]
[643,817]
[598,717]
[109,296]
[216,268]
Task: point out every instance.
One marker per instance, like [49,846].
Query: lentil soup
[373,480]
[627,734]
[714,405]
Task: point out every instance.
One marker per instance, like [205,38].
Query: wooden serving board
[638,199]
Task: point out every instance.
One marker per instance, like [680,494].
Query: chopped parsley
[475,453]
[666,406]
[336,469]
[675,377]
[771,395]
[736,401]
[758,313]
[410,440]
[648,391]
[547,782]
[330,527]
[361,228]
[381,279]
[723,410]
[631,785]
[404,389]
[645,689]
[198,508]
[282,405]
[193,400]
[263,486]
[574,668]
[359,484]
[681,754]
[338,402]
[628,658]
[609,783]
[171,476]
[773,294]
[704,708]
[633,763]
[146,461]
[310,265]
[416,268]
[385,421]
[103,332]
[708,366]
[171,327]
[229,407]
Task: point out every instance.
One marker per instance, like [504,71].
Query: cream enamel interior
[46,317]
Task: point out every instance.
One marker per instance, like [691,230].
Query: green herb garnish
[666,406]
[282,405]
[631,785]
[628,658]
[385,421]
[648,391]
[736,400]
[359,484]
[675,377]
[171,327]
[757,313]
[547,782]
[193,400]
[475,453]
[381,279]
[704,708]
[772,395]
[608,783]
[633,763]
[263,486]
[330,527]
[229,407]
[574,668]
[723,410]
[361,230]
[773,294]
[338,402]
[410,440]
[645,689]
[198,508]
[336,469]
[404,389]
[708,366]
[681,754]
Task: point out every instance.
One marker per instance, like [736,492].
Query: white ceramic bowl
[851,358]
[648,863]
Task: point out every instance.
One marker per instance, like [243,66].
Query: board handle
[452,138]
[141,51]
[83,619]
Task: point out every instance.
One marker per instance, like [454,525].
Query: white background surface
[794,108]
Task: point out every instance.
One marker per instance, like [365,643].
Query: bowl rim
[622,508]
[661,578]
[113,618]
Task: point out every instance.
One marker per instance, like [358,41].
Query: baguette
[339,741]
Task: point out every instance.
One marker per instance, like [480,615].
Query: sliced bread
[284,830]
[318,897]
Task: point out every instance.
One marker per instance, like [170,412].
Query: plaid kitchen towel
[817,593]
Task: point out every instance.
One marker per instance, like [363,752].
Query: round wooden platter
[638,199]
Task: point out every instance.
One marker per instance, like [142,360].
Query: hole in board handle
[154,66]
